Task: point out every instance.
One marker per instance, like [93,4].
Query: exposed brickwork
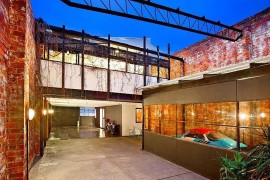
[17,83]
[212,52]
[4,30]
[17,104]
[30,75]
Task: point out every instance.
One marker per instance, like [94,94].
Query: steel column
[83,76]
[144,61]
[108,70]
[237,117]
[169,61]
[63,59]
[183,119]
[158,68]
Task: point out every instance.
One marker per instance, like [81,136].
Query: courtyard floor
[119,158]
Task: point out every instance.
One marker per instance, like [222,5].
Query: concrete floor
[118,158]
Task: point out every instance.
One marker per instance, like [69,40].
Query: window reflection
[176,119]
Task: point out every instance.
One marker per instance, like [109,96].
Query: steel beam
[63,58]
[105,41]
[158,14]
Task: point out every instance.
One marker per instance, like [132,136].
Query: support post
[158,68]
[48,52]
[176,124]
[144,61]
[126,60]
[237,118]
[183,119]
[63,59]
[169,61]
[108,70]
[82,76]
[183,68]
[143,122]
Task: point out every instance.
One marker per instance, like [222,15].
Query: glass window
[254,116]
[87,111]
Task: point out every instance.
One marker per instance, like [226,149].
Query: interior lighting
[44,112]
[50,111]
[263,115]
[31,114]
[193,114]
[243,116]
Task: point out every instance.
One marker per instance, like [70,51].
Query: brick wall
[4,30]
[212,52]
[17,88]
[30,75]
[17,97]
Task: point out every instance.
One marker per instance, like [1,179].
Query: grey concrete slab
[104,159]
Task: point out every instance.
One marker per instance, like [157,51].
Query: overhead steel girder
[145,10]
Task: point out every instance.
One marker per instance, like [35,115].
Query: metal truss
[144,10]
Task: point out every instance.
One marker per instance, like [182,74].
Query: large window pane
[168,120]
[253,116]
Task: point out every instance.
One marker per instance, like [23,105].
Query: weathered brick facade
[212,52]
[4,30]
[17,88]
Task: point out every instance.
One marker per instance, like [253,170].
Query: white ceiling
[84,103]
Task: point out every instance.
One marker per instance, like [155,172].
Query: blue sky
[227,11]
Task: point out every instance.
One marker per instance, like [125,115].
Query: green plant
[233,169]
[255,165]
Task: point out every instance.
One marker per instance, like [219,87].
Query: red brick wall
[17,88]
[212,52]
[4,30]
[30,76]
[17,103]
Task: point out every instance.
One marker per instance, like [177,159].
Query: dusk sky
[229,12]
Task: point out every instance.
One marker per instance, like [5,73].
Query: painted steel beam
[145,10]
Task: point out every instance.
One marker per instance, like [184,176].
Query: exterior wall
[129,118]
[18,99]
[17,61]
[4,43]
[200,158]
[31,76]
[256,88]
[212,52]
[95,78]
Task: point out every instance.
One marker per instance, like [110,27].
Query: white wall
[114,113]
[129,118]
[95,78]
[73,76]
[51,74]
